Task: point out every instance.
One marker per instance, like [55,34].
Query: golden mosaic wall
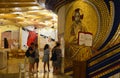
[97,19]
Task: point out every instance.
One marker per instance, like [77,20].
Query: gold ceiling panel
[20,9]
[35,13]
[17,19]
[6,22]
[17,0]
[7,15]
[23,13]
[21,5]
[17,5]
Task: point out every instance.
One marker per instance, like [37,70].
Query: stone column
[0,39]
[20,37]
[61,25]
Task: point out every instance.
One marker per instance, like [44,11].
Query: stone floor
[13,70]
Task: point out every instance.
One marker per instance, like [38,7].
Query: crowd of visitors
[54,55]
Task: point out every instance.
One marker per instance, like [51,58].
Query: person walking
[46,57]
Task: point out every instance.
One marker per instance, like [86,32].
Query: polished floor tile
[13,70]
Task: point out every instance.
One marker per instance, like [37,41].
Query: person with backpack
[30,54]
[31,60]
[56,58]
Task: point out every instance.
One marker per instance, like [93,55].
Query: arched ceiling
[25,13]
[54,5]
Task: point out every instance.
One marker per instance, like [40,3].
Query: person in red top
[32,36]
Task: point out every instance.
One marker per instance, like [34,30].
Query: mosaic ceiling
[26,13]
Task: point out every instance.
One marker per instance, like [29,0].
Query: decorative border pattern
[105,63]
[104,55]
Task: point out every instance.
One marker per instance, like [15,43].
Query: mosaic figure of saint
[78,52]
[76,26]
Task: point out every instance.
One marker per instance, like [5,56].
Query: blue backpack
[27,53]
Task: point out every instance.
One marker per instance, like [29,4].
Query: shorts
[37,60]
[31,60]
